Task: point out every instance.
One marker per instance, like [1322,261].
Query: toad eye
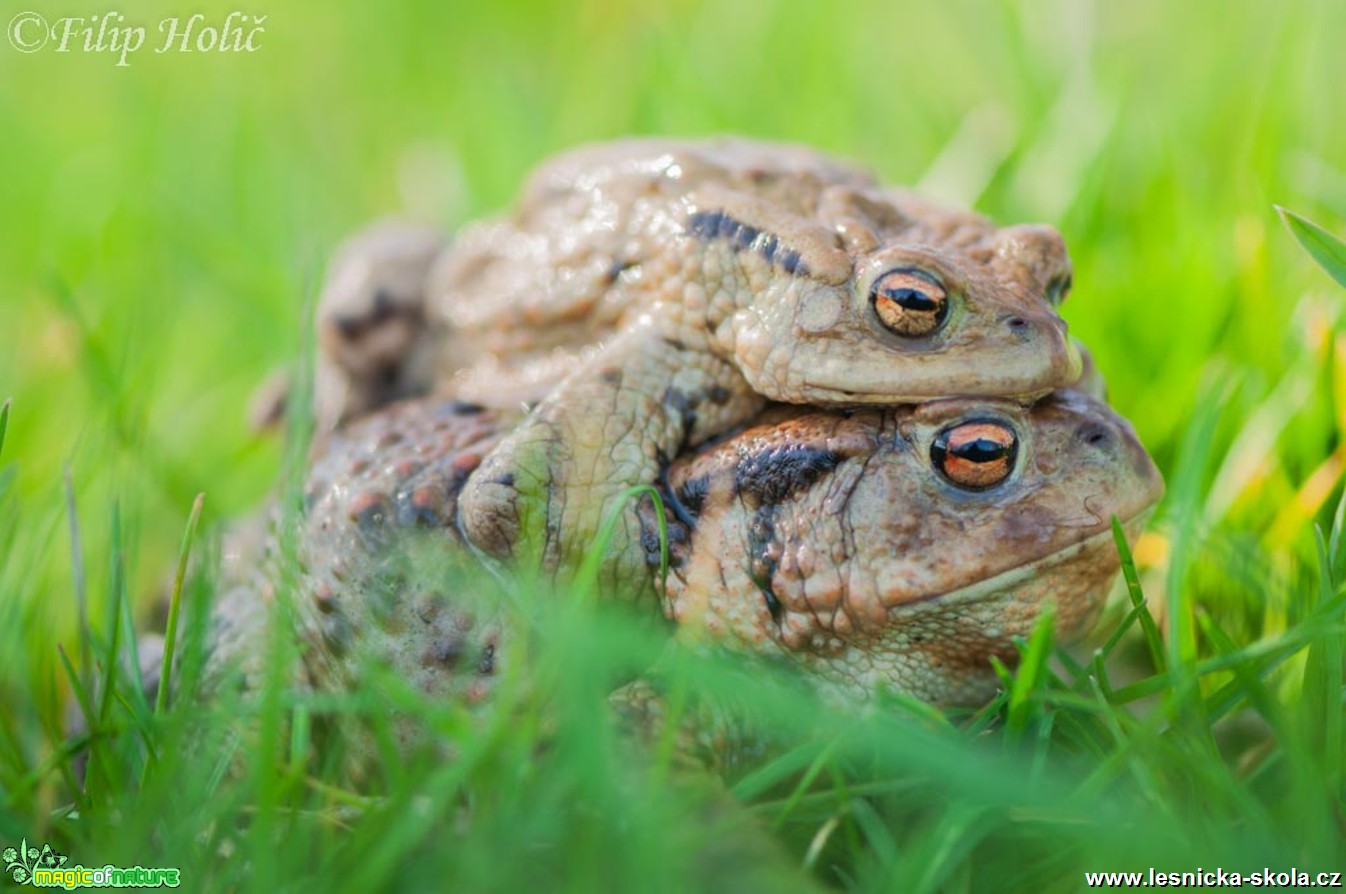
[909,303]
[975,455]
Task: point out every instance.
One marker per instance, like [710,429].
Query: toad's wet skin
[900,547]
[672,288]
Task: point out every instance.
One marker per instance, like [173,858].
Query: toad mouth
[1011,578]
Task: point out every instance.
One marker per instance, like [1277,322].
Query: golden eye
[909,303]
[975,455]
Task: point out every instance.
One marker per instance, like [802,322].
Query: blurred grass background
[165,223]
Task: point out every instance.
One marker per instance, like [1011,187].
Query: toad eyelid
[922,273]
[944,428]
[908,270]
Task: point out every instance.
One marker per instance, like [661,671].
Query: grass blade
[83,698]
[1334,538]
[1153,640]
[102,777]
[4,421]
[1029,677]
[175,604]
[1187,530]
[77,572]
[1323,677]
[117,587]
[1326,249]
[586,577]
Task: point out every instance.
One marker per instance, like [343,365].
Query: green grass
[1325,248]
[165,223]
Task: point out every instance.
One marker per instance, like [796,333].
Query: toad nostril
[1094,435]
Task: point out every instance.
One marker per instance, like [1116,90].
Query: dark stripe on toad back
[689,499]
[768,247]
[455,407]
[771,476]
[761,567]
[683,404]
[704,224]
[716,225]
[617,268]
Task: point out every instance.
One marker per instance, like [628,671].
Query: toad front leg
[542,496]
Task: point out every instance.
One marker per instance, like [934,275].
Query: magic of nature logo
[45,868]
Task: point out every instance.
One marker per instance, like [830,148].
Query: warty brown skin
[830,539]
[872,568]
